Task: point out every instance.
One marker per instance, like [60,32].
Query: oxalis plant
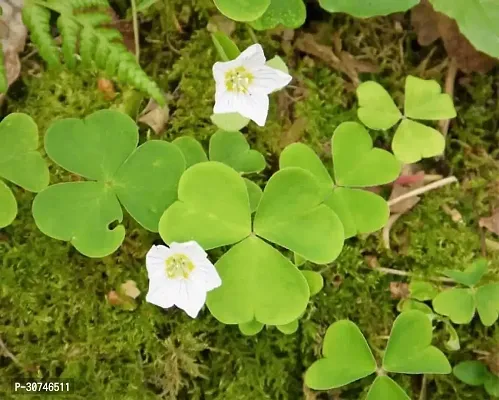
[347,357]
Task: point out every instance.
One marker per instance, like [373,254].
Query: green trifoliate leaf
[410,304]
[413,141]
[230,122]
[80,213]
[147,182]
[422,291]
[473,373]
[242,10]
[278,63]
[20,161]
[288,13]
[409,349]
[191,149]
[290,328]
[363,9]
[8,205]
[360,211]
[477,21]
[315,281]
[471,275]
[260,284]
[424,100]
[487,303]
[298,260]
[356,162]
[94,147]
[347,358]
[213,208]
[232,148]
[226,48]
[250,328]
[291,214]
[377,110]
[457,304]
[491,385]
[254,193]
[385,388]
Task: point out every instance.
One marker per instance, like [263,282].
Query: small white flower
[243,85]
[180,275]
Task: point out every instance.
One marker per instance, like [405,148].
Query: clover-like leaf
[411,304]
[424,100]
[191,149]
[377,110]
[422,291]
[487,303]
[242,10]
[213,208]
[288,13]
[20,162]
[363,9]
[409,349]
[473,373]
[80,213]
[477,21]
[315,281]
[356,163]
[255,194]
[360,211]
[289,329]
[250,328]
[413,141]
[491,385]
[347,358]
[230,122]
[291,214]
[471,275]
[226,48]
[260,284]
[102,147]
[232,148]
[8,205]
[278,63]
[385,388]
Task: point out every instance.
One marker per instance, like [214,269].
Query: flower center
[178,266]
[238,80]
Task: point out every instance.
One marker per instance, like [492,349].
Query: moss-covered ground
[54,316]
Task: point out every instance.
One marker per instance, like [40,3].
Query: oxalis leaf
[471,275]
[260,284]
[423,100]
[102,148]
[242,10]
[356,164]
[288,13]
[473,373]
[191,149]
[363,9]
[226,48]
[385,388]
[477,21]
[20,162]
[409,349]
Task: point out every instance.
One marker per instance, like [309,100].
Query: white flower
[180,275]
[243,85]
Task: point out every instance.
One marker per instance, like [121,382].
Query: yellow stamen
[178,266]
[238,80]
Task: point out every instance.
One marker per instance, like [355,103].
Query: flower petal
[207,274]
[220,68]
[155,258]
[252,57]
[225,102]
[190,297]
[268,80]
[253,106]
[162,292]
[191,249]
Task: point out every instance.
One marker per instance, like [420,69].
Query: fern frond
[84,28]
[37,19]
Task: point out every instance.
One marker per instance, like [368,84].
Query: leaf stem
[424,189]
[422,394]
[136,30]
[392,271]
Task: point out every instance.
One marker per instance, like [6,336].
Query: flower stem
[136,30]
[424,189]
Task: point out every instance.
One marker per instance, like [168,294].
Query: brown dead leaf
[491,223]
[125,28]
[294,133]
[155,116]
[399,290]
[130,289]
[220,23]
[106,87]
[431,25]
[114,298]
